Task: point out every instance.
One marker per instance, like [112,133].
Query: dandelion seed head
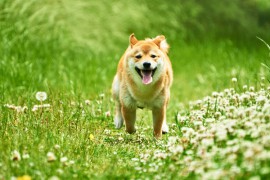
[41,96]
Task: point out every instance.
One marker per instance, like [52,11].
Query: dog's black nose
[146,65]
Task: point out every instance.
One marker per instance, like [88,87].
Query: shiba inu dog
[143,79]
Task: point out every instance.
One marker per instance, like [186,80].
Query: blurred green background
[72,47]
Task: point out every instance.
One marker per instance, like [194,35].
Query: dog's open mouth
[146,74]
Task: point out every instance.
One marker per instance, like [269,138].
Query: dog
[143,79]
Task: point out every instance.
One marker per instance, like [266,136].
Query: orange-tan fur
[135,86]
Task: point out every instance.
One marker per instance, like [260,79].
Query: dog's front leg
[118,119]
[129,115]
[159,115]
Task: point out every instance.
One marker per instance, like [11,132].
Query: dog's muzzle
[146,74]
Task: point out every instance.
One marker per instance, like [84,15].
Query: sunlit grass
[217,135]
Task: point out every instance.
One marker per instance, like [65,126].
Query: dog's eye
[153,56]
[138,56]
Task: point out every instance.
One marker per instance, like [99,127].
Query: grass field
[219,113]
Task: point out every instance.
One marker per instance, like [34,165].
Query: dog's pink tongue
[147,77]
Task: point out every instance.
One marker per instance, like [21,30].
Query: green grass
[61,49]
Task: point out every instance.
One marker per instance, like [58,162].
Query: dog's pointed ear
[161,42]
[132,40]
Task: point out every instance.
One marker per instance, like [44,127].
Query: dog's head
[146,58]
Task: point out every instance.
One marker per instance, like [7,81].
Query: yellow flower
[24,177]
[91,137]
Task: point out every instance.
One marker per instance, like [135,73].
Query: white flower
[102,96]
[25,156]
[63,159]
[160,155]
[41,96]
[108,114]
[261,99]
[244,97]
[36,107]
[187,132]
[71,162]
[16,156]
[234,80]
[87,102]
[51,157]
[251,88]
[215,94]
[177,149]
[134,159]
[209,120]
[241,133]
[57,146]
[181,118]
[207,142]
[20,109]
[54,178]
[199,102]
[198,123]
[120,139]
[172,140]
[248,154]
[107,131]
[221,135]
[217,114]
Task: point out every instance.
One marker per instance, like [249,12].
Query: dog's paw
[165,129]
[118,122]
